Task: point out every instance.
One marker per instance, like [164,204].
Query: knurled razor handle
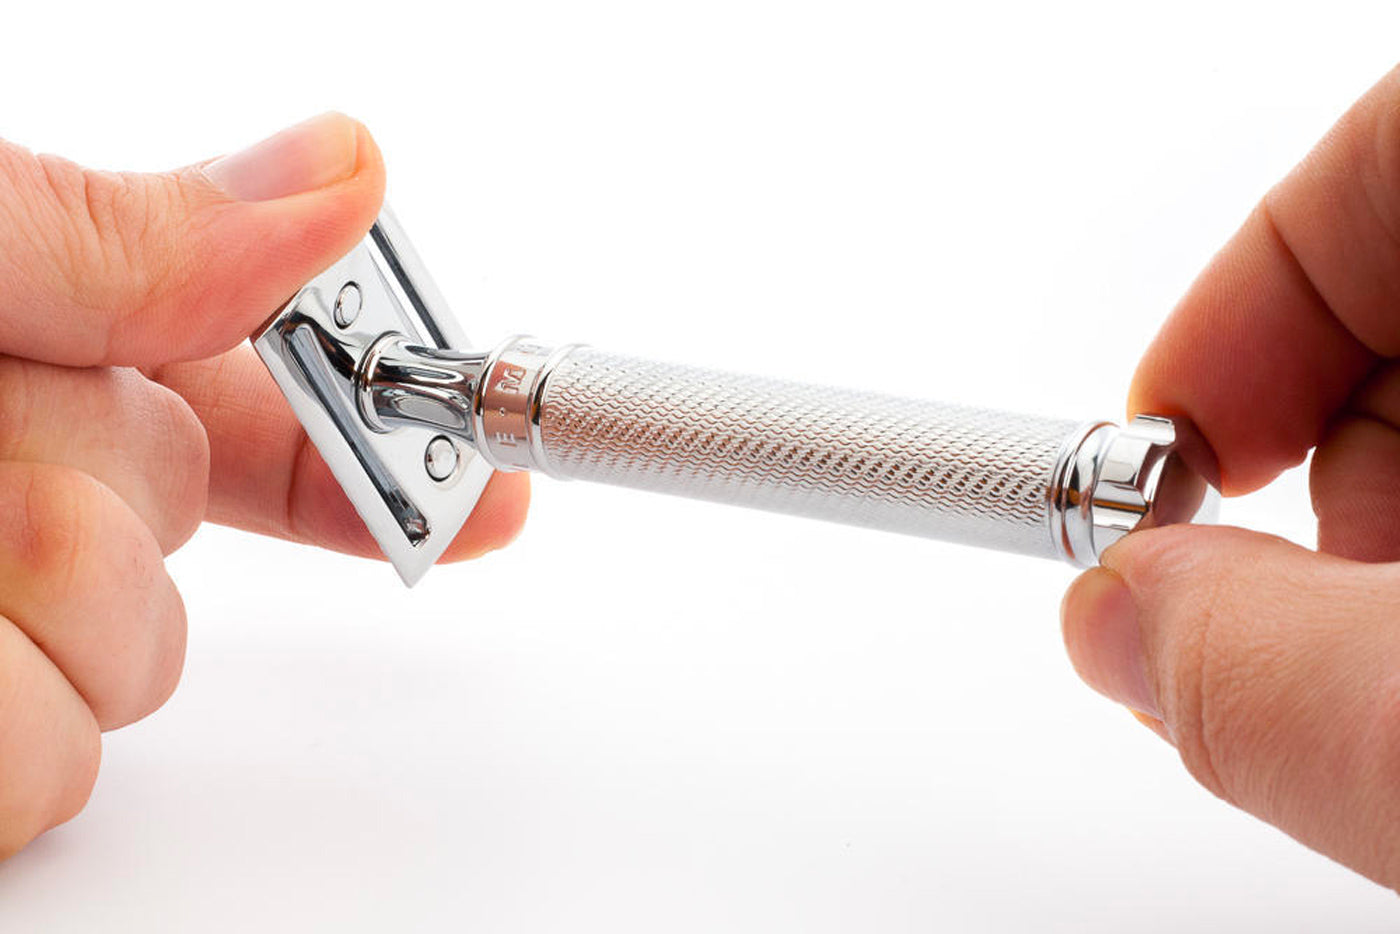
[1019,483]
[925,468]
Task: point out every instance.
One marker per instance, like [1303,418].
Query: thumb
[135,270]
[1274,670]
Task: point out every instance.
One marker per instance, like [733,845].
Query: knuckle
[122,635]
[15,835]
[183,454]
[107,215]
[82,776]
[105,238]
[1191,703]
[54,531]
[144,686]
[79,228]
[148,642]
[167,662]
[41,787]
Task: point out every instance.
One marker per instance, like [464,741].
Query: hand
[105,469]
[1275,670]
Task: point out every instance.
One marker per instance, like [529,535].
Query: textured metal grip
[941,471]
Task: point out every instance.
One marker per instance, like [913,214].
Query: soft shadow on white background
[663,715]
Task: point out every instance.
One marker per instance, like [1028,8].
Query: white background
[654,715]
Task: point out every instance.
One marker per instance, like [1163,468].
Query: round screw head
[440,458]
[347,304]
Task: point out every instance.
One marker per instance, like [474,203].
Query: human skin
[129,414]
[1273,669]
[131,410]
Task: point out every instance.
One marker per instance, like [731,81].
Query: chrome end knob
[1155,471]
[1151,472]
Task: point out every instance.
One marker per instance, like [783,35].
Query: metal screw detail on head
[348,304]
[440,458]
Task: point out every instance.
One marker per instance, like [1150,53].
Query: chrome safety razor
[412,422]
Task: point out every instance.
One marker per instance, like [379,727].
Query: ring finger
[82,577]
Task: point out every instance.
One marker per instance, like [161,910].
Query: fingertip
[497,519]
[318,225]
[363,188]
[1153,724]
[369,159]
[50,747]
[1172,382]
[82,776]
[268,228]
[1099,620]
[1254,357]
[307,156]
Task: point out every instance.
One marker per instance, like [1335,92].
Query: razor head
[413,487]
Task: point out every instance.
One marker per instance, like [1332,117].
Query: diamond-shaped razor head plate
[312,348]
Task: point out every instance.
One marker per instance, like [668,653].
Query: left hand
[106,468]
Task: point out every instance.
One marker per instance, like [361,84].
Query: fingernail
[304,157]
[1105,640]
[1153,724]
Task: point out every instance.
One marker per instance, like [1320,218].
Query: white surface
[652,715]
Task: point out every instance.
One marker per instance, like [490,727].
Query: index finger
[1289,318]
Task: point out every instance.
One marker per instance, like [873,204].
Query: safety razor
[412,422]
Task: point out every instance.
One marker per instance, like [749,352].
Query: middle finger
[135,436]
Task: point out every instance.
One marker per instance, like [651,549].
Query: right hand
[1274,670]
